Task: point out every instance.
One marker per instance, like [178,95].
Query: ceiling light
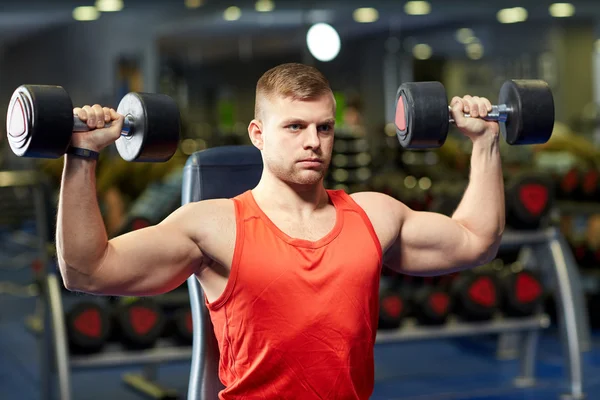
[410,182]
[109,5]
[323,42]
[464,35]
[474,51]
[232,13]
[264,6]
[422,51]
[417,8]
[193,3]
[425,183]
[512,15]
[85,13]
[562,10]
[365,15]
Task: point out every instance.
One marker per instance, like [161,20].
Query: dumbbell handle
[499,113]
[126,130]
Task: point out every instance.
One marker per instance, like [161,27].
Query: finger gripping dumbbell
[40,122]
[525,111]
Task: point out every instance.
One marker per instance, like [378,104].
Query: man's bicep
[431,244]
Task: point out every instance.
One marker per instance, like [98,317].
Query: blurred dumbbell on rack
[393,302]
[579,184]
[351,163]
[432,302]
[586,255]
[529,198]
[497,289]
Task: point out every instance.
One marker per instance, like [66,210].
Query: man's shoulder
[384,212]
[374,201]
[210,208]
[207,216]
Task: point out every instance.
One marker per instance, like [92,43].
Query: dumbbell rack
[548,248]
[58,363]
[549,251]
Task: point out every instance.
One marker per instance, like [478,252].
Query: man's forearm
[81,237]
[481,210]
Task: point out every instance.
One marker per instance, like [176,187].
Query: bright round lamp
[323,42]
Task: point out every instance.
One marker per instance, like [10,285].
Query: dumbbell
[475,295]
[589,187]
[522,291]
[40,122]
[88,327]
[183,327]
[525,113]
[135,323]
[393,304]
[568,184]
[585,255]
[432,302]
[529,197]
[138,323]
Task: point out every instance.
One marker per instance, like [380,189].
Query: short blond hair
[291,80]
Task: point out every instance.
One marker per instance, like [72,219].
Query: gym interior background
[521,327]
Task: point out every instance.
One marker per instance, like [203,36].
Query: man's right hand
[98,137]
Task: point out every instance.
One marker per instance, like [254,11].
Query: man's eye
[294,127]
[325,128]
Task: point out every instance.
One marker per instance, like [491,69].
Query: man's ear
[255,131]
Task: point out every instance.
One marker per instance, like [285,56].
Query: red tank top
[298,318]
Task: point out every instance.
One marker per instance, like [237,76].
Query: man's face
[298,138]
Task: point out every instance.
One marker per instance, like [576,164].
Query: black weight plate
[392,309]
[422,116]
[88,327]
[590,184]
[184,329]
[140,323]
[432,305]
[475,296]
[531,116]
[569,183]
[523,293]
[39,122]
[529,199]
[156,127]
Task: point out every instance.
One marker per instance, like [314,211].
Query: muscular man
[290,270]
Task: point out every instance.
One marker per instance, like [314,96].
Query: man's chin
[308,177]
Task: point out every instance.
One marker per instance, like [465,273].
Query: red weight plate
[88,323]
[392,306]
[590,181]
[439,303]
[139,224]
[570,180]
[142,319]
[400,114]
[534,197]
[483,292]
[527,288]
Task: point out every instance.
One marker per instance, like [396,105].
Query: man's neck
[293,198]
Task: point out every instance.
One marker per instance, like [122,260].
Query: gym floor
[433,370]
